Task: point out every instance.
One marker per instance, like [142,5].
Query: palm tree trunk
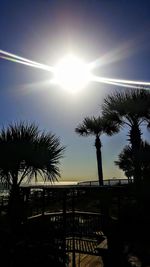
[135,139]
[99,159]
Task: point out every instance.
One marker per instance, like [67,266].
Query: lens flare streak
[121,82]
[25,61]
[125,85]
[118,82]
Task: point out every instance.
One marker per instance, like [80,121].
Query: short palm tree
[97,126]
[126,162]
[26,153]
[130,108]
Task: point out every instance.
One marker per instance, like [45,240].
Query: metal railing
[108,182]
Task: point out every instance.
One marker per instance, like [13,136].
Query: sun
[72,73]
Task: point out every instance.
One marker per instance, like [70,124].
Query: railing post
[43,202]
[73,230]
[26,202]
[64,227]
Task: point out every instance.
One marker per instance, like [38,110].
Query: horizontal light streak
[126,81]
[24,61]
[121,82]
[106,80]
[124,85]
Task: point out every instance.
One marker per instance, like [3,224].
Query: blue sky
[117,32]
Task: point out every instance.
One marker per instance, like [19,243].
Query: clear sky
[116,32]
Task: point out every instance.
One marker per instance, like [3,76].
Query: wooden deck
[83,260]
[89,255]
[86,246]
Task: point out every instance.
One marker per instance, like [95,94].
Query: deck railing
[108,182]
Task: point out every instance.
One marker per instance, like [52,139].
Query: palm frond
[133,104]
[26,151]
[90,126]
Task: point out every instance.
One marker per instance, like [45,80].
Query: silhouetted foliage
[97,127]
[25,152]
[129,108]
[126,162]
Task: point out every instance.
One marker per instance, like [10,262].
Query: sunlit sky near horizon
[116,33]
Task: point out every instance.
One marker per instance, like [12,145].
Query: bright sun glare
[72,73]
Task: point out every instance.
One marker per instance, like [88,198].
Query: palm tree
[130,108]
[25,152]
[97,126]
[125,161]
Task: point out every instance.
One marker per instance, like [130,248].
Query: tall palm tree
[25,152]
[97,126]
[130,108]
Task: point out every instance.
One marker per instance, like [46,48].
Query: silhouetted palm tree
[26,153]
[97,126]
[130,108]
[126,162]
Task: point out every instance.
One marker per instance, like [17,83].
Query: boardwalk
[87,246]
[87,260]
[83,260]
